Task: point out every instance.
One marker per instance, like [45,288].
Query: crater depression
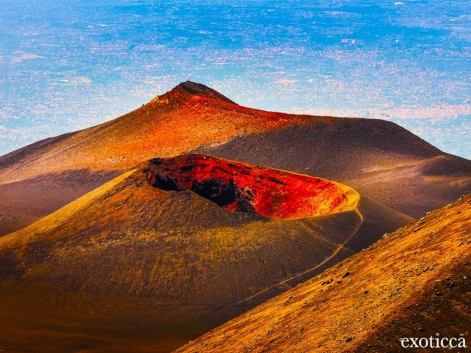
[242,187]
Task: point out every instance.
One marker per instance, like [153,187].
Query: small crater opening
[244,188]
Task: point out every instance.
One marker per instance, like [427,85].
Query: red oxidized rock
[245,188]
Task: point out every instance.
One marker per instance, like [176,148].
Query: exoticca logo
[434,342]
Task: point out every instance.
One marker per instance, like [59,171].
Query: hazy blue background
[66,65]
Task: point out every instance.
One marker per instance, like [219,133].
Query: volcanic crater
[241,187]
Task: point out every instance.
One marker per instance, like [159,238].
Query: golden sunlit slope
[380,159]
[132,268]
[413,283]
[55,171]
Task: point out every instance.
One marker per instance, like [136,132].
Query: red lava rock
[245,188]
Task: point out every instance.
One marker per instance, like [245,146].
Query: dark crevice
[222,193]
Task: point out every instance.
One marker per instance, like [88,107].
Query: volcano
[147,231]
[376,157]
[159,255]
[38,179]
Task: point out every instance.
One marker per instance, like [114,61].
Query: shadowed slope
[413,283]
[130,267]
[23,202]
[383,161]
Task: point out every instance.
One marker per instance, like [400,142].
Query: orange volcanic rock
[246,188]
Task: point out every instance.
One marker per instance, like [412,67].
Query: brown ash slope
[413,283]
[129,267]
[380,159]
